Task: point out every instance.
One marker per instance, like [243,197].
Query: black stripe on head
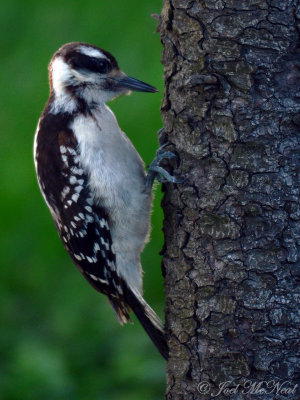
[78,60]
[94,64]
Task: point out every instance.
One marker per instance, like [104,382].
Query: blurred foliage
[59,338]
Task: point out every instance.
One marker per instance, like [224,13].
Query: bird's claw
[156,171]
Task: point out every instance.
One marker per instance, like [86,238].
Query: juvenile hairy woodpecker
[94,181]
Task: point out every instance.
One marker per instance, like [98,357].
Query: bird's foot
[156,171]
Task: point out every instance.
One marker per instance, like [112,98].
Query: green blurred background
[59,338]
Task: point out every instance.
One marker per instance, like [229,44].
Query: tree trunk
[231,113]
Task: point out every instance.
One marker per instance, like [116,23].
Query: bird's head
[90,73]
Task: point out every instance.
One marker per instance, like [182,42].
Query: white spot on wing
[95,278]
[75,197]
[65,191]
[96,247]
[71,151]
[77,171]
[103,223]
[89,219]
[78,189]
[65,159]
[104,243]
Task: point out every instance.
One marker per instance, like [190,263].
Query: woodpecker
[94,181]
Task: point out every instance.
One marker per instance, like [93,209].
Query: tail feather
[149,320]
[120,308]
[132,299]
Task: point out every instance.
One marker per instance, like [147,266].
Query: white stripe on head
[91,52]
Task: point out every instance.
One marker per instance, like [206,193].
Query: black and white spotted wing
[82,226]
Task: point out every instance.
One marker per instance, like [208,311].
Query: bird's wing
[82,226]
[84,231]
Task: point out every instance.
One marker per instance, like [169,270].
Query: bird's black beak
[134,84]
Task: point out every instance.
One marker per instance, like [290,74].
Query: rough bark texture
[231,112]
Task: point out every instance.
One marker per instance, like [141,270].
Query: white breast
[117,182]
[107,155]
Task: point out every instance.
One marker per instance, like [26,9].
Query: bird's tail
[132,299]
[148,318]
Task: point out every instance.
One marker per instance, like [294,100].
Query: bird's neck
[76,99]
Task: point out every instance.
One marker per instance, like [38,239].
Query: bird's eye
[102,66]
[93,64]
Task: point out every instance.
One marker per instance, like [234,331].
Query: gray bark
[231,113]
